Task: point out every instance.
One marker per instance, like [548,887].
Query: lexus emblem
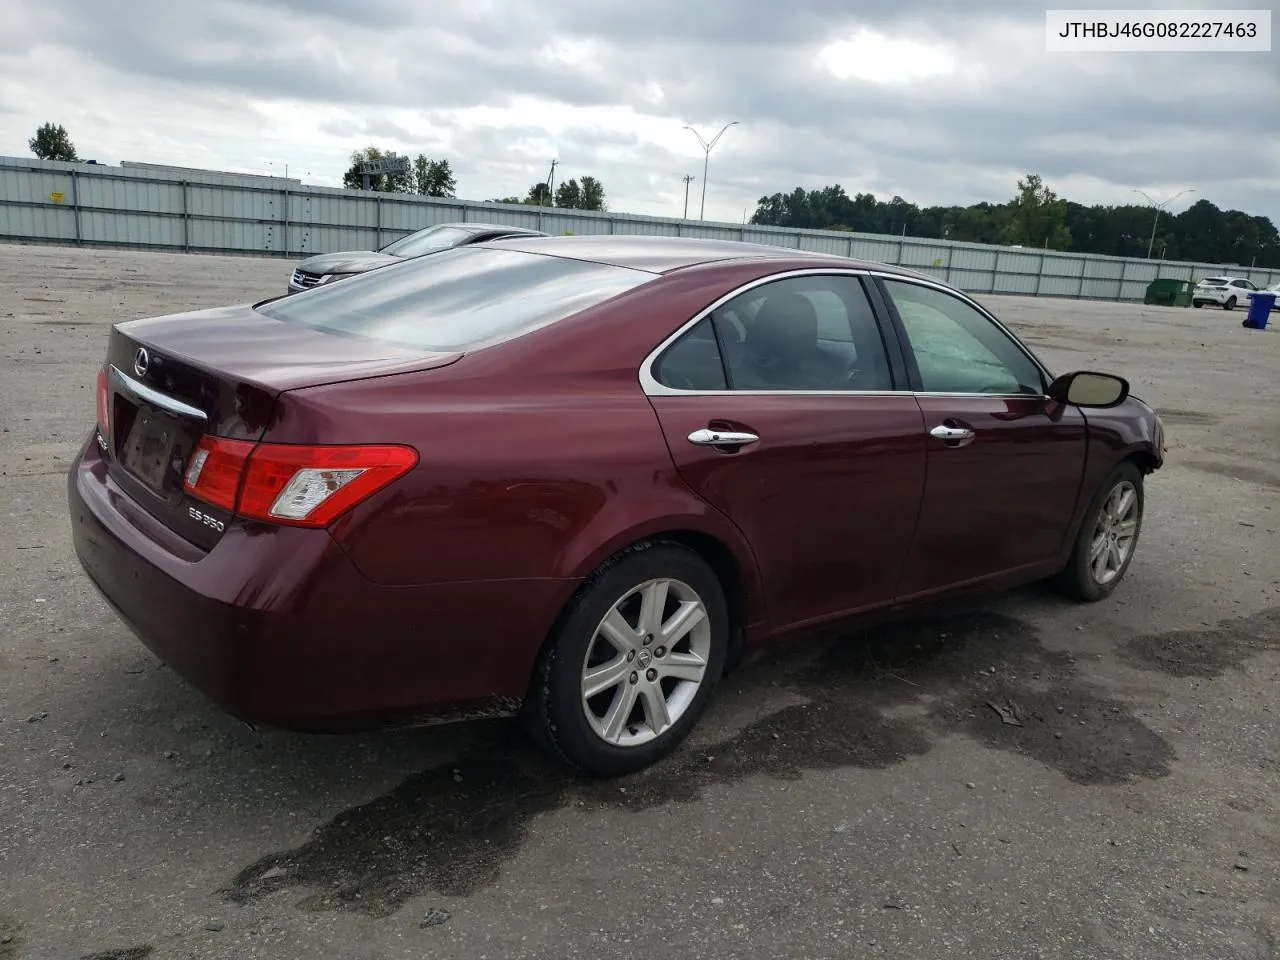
[141,360]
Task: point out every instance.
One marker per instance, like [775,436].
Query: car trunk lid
[172,380]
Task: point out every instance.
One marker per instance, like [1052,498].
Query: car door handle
[953,436]
[721,438]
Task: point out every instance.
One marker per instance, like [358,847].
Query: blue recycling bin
[1260,306]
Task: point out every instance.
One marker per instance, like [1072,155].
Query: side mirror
[1085,388]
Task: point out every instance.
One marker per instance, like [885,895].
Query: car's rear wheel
[633,662]
[1108,537]
[1230,304]
[1197,304]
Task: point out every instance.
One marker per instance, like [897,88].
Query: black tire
[554,710]
[1230,304]
[1197,304]
[1077,579]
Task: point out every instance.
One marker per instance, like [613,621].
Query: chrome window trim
[652,388]
[650,385]
[140,391]
[965,298]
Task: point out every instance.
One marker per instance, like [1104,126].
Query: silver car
[328,267]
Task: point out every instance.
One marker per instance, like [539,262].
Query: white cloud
[876,58]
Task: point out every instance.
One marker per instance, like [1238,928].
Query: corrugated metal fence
[198,211]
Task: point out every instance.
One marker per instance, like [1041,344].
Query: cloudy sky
[936,100]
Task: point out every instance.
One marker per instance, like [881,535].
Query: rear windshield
[1214,281]
[458,299]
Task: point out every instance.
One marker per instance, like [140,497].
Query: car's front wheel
[1230,304]
[1107,539]
[633,662]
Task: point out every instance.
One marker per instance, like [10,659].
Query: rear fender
[593,549]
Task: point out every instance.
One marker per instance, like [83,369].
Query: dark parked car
[328,267]
[580,476]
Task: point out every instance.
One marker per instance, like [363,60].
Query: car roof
[665,254]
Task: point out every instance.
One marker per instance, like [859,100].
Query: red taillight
[214,471]
[104,405]
[290,484]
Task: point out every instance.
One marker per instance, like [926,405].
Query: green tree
[51,142]
[433,178]
[569,195]
[1202,232]
[506,200]
[353,179]
[539,195]
[592,195]
[1037,216]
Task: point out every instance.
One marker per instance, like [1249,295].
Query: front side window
[957,348]
[458,299]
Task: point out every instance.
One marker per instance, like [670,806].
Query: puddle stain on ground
[10,940]
[1171,416]
[128,953]
[451,829]
[1209,652]
[1263,478]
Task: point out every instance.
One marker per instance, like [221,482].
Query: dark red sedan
[580,476]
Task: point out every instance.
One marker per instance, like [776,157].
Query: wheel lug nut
[660,652]
[631,655]
[635,677]
[652,675]
[648,639]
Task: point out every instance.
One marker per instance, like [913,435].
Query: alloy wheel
[646,662]
[1114,534]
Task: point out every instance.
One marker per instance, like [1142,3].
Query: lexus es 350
[575,478]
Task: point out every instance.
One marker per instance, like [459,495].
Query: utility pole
[706,150]
[688,177]
[1159,206]
[551,184]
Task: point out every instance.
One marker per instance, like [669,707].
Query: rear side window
[693,362]
[458,299]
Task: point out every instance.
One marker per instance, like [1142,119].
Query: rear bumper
[277,627]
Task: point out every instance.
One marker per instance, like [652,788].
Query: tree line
[1037,217]
[586,194]
[435,178]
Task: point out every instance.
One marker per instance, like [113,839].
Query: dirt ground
[852,799]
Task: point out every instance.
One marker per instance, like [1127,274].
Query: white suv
[1226,292]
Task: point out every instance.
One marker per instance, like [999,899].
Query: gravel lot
[853,799]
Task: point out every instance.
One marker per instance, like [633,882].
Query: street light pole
[551,182]
[1159,206]
[687,178]
[706,160]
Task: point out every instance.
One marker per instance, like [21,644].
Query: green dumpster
[1169,293]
